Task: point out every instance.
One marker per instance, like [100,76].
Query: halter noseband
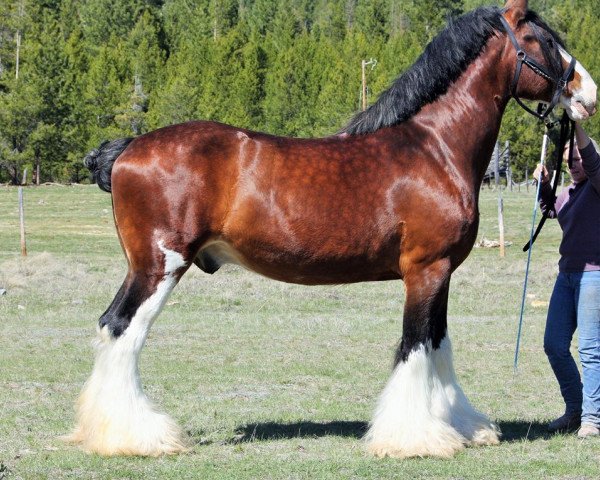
[523,58]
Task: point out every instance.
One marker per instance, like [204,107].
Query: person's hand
[544,173]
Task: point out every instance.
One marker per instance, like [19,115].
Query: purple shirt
[577,208]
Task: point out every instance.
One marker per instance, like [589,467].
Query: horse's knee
[403,351]
[114,323]
[126,303]
[144,290]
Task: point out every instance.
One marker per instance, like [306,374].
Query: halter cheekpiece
[523,58]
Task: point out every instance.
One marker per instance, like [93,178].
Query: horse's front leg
[423,411]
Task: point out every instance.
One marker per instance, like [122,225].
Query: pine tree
[106,20]
[146,57]
[233,94]
[132,114]
[291,89]
[340,84]
[371,18]
[107,90]
[17,122]
[178,93]
[48,67]
[261,16]
[39,92]
[185,22]
[76,127]
[224,16]
[330,20]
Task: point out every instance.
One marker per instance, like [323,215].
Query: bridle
[567,126]
[567,130]
[523,58]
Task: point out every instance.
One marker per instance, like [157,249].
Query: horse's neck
[466,120]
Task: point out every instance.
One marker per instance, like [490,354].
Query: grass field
[270,380]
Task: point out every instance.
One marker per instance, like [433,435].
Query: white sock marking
[115,416]
[424,412]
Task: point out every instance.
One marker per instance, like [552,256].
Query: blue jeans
[575,304]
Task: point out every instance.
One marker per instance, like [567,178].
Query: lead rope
[564,132]
[537,196]
[565,124]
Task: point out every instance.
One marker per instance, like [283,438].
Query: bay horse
[394,195]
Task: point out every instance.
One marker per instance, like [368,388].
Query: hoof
[443,441]
[383,449]
[108,441]
[486,436]
[433,439]
[114,415]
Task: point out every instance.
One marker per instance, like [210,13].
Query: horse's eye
[551,43]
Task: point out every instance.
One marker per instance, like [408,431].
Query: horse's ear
[514,11]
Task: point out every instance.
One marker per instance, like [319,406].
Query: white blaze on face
[580,99]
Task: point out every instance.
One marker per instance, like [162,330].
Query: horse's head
[543,70]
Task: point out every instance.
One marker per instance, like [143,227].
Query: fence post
[22,221]
[497,166]
[509,179]
[500,202]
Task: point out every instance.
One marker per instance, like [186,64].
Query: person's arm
[581,136]
[590,160]
[547,198]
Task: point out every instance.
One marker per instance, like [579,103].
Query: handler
[575,301]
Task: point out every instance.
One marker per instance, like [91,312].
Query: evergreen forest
[76,72]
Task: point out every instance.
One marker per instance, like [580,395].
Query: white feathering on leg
[473,425]
[115,417]
[423,411]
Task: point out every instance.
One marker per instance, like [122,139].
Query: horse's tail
[100,160]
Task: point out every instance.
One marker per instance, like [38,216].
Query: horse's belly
[299,267]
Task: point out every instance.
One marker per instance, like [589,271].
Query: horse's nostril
[590,108]
[585,109]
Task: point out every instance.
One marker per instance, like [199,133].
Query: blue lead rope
[535,206]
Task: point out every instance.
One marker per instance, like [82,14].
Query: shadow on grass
[512,431]
[522,430]
[277,431]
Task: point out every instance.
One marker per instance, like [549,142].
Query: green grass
[270,380]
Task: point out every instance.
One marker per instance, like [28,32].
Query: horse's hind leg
[423,411]
[114,415]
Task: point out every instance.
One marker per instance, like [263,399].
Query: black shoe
[569,422]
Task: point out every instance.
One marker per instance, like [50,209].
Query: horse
[393,195]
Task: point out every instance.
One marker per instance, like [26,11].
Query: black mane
[440,65]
